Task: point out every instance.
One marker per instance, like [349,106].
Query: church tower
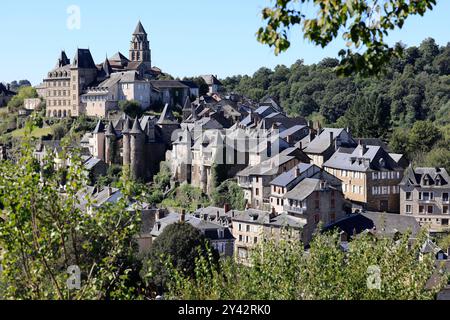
[140,46]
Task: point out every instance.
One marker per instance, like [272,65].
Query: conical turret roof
[110,131]
[126,125]
[99,128]
[167,116]
[136,127]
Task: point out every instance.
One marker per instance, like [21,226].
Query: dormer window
[382,163]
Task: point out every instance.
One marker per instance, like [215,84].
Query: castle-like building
[82,87]
[139,144]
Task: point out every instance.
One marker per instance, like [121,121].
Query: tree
[423,136]
[282,270]
[364,23]
[132,108]
[17,101]
[44,232]
[230,193]
[179,245]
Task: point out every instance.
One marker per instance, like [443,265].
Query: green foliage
[179,245]
[201,83]
[43,232]
[186,197]
[423,136]
[230,193]
[132,108]
[17,101]
[282,270]
[363,25]
[436,158]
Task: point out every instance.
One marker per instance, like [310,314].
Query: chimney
[311,124]
[331,137]
[109,191]
[205,216]
[363,149]
[297,172]
[348,130]
[183,216]
[300,145]
[217,216]
[274,213]
[8,87]
[157,215]
[226,207]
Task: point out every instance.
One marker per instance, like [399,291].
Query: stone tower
[140,46]
[110,144]
[137,140]
[99,141]
[126,142]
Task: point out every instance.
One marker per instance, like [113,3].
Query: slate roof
[288,177]
[268,167]
[209,229]
[162,84]
[110,131]
[385,224]
[259,217]
[136,127]
[322,142]
[416,177]
[139,29]
[83,59]
[167,116]
[354,160]
[210,80]
[291,130]
[99,128]
[302,190]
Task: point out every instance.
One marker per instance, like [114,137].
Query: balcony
[297,210]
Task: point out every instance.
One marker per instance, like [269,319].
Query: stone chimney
[300,145]
[331,137]
[217,216]
[226,207]
[183,216]
[109,191]
[297,172]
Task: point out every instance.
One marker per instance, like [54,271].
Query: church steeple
[140,46]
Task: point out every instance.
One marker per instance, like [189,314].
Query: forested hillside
[413,89]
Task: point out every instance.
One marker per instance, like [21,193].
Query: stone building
[5,94]
[315,200]
[68,82]
[139,144]
[251,227]
[370,176]
[324,145]
[424,195]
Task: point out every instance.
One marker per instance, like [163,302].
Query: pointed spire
[99,128]
[107,68]
[63,60]
[110,131]
[126,125]
[187,104]
[167,116]
[136,127]
[139,29]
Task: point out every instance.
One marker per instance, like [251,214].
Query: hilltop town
[237,169]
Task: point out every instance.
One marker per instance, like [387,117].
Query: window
[430,209]
[248,228]
[361,190]
[408,195]
[332,217]
[445,209]
[240,238]
[257,191]
[240,227]
[445,197]
[316,218]
[408,208]
[317,204]
[375,175]
[421,209]
[255,240]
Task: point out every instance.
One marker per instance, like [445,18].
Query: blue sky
[187,37]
